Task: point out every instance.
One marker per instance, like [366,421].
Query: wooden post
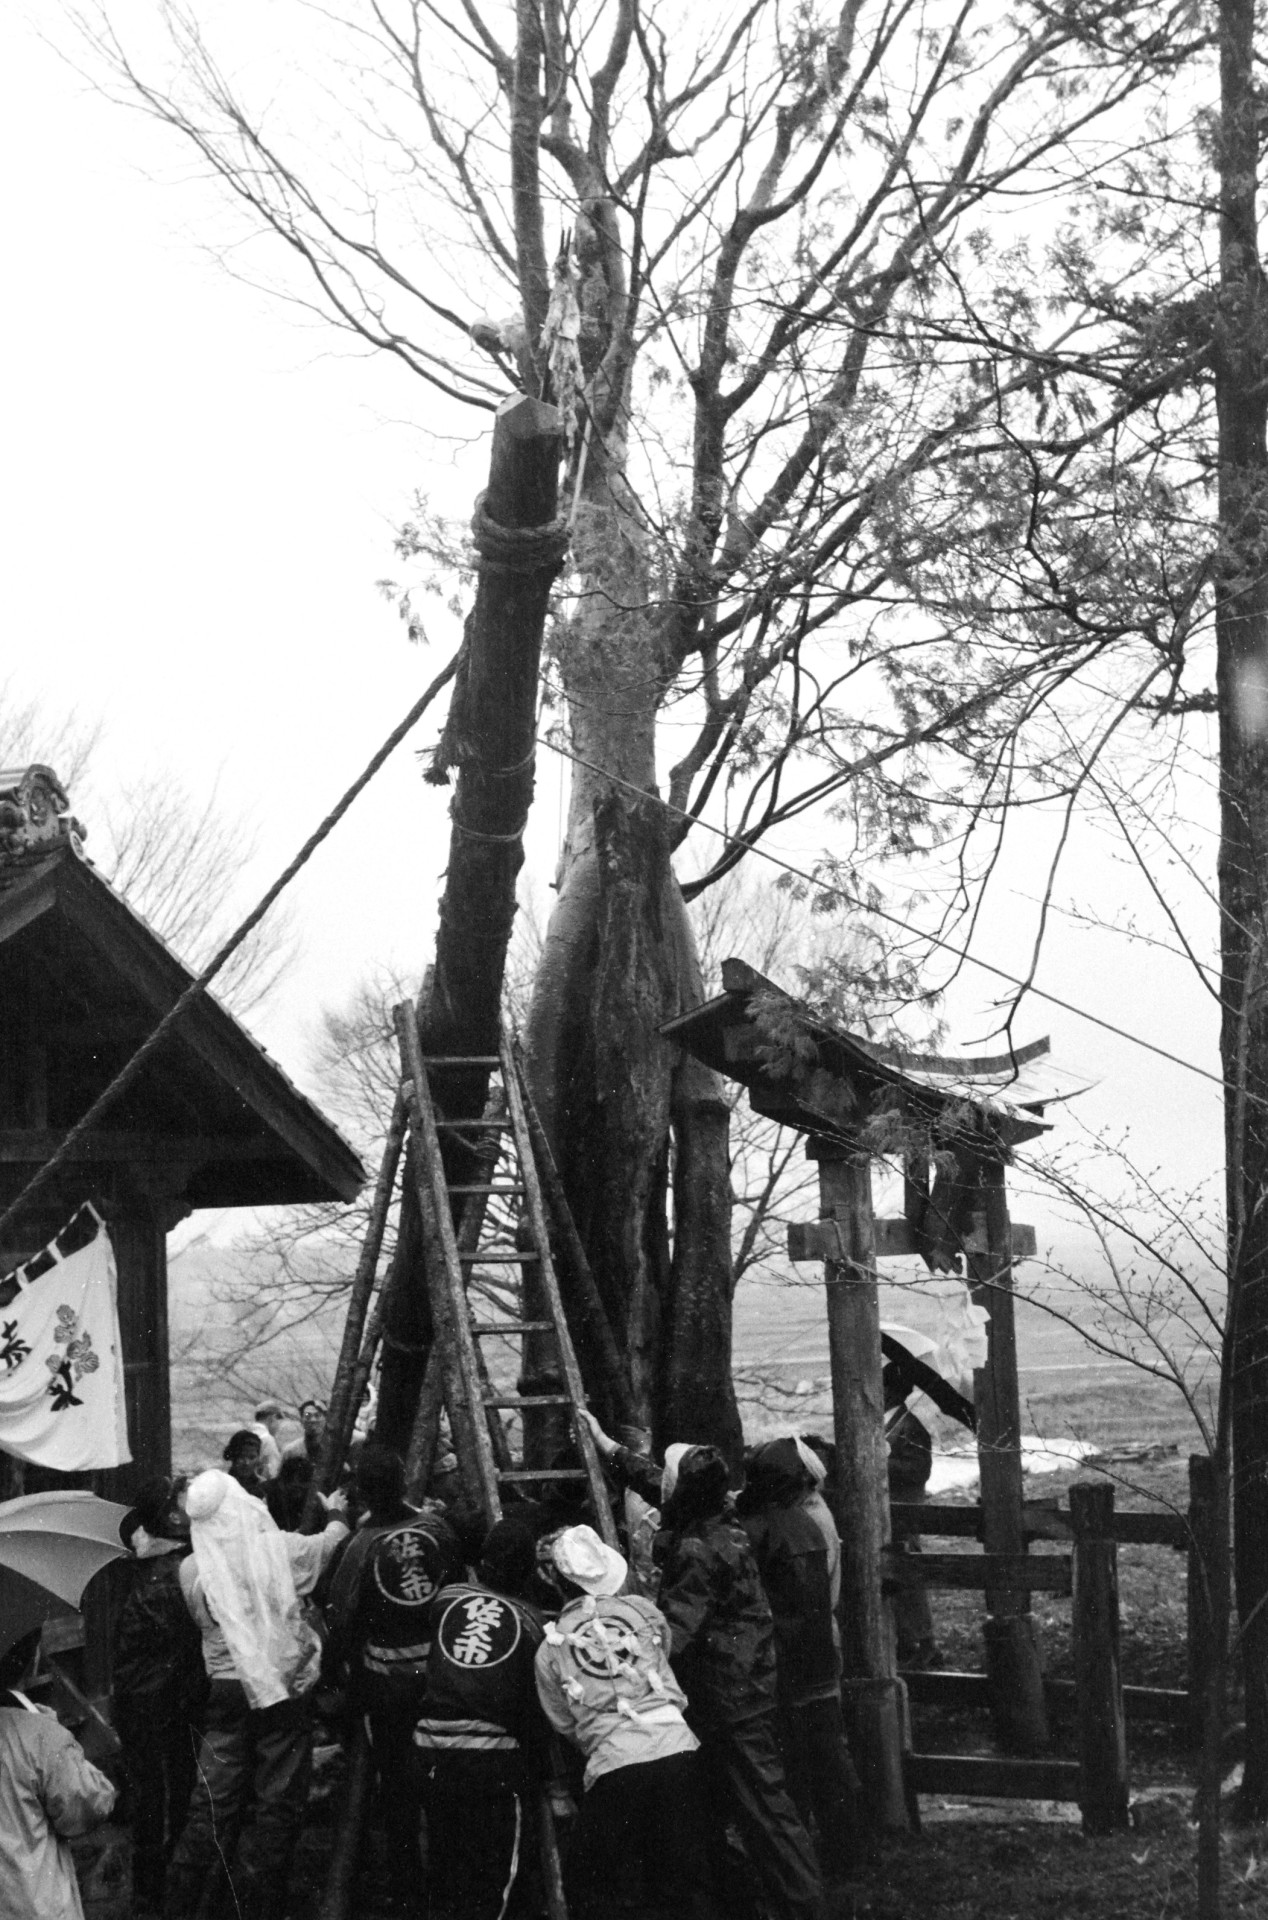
[1203,1549]
[138,1235]
[1103,1789]
[420,1458]
[871,1690]
[341,1874]
[342,1412]
[1012,1652]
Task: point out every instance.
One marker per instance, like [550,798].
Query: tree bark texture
[1241,358]
[619,960]
[490,740]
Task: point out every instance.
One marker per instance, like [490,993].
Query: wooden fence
[1101,1706]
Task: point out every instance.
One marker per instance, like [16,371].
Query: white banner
[61,1360]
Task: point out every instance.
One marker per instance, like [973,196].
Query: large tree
[796,313]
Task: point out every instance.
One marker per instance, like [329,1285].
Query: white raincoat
[246,1576]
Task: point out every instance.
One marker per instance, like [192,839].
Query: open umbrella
[51,1545]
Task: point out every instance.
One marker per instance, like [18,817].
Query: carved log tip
[527,419]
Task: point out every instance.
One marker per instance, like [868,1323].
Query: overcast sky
[199,496]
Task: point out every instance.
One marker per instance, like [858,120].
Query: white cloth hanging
[61,1358]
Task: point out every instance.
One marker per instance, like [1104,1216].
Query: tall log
[1241,632]
[488,745]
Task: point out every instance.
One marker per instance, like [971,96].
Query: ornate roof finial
[35,813]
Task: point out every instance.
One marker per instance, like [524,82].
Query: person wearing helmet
[722,1650]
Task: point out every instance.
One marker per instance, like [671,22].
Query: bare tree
[786,325]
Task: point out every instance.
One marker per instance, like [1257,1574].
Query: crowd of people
[663,1726]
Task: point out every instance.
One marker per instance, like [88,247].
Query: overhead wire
[132,1067]
[893,919]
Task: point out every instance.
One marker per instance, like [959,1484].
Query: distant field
[781,1362]
[1068,1388]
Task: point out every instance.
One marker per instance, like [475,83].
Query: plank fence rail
[1046,1520]
[965,1692]
[1096,1698]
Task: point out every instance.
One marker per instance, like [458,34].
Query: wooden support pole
[1012,1652]
[588,1321]
[871,1690]
[1203,1557]
[341,1874]
[1103,1787]
[420,1457]
[342,1412]
[443,1268]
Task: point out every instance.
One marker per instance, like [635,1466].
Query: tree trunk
[1242,676]
[490,737]
[618,961]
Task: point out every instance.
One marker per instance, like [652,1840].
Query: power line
[864,906]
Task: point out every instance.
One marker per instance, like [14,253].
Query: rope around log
[493,839]
[517,549]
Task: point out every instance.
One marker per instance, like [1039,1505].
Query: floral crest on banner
[62,1399]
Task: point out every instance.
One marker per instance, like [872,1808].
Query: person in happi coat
[605,1683]
[483,1742]
[722,1649]
[378,1615]
[243,1583]
[50,1793]
[159,1683]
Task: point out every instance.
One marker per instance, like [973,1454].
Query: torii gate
[831,1087]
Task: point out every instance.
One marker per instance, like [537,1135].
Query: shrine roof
[212,1120]
[831,1081]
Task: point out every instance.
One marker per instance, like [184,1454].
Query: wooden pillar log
[1012,1651]
[488,748]
[138,1235]
[1103,1784]
[1203,1558]
[871,1690]
[341,1873]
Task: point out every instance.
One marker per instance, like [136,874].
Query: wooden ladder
[473,1402]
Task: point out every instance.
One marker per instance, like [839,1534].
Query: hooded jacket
[792,1559]
[722,1644]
